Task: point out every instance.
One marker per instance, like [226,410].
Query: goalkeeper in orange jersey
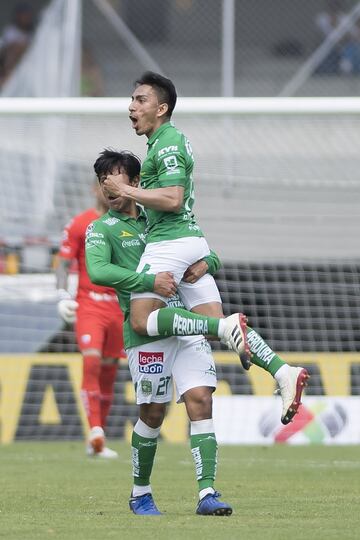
[99,327]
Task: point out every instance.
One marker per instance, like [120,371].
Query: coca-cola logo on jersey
[151,362]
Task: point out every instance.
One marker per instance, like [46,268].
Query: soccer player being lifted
[174,240]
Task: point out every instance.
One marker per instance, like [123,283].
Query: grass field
[51,490]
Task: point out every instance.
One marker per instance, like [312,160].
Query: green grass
[50,490]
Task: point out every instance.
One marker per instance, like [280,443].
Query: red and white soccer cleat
[235,337]
[96,445]
[291,388]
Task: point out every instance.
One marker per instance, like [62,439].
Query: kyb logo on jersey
[167,149]
[151,362]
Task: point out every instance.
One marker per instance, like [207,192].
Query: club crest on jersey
[146,387]
[89,229]
[124,234]
[151,362]
[111,221]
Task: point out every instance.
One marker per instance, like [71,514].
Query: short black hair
[164,88]
[109,159]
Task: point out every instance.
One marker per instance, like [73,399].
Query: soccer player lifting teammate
[114,246]
[174,240]
[99,327]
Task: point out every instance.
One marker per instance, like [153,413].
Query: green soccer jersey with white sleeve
[169,162]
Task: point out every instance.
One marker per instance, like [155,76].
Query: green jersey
[113,246]
[169,162]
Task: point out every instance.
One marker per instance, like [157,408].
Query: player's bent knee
[138,324]
[153,414]
[198,402]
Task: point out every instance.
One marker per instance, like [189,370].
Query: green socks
[180,322]
[143,454]
[204,450]
[262,355]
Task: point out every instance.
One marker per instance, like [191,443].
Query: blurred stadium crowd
[184,37]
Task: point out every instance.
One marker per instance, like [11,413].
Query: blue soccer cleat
[211,506]
[144,505]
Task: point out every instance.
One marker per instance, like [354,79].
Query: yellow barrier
[30,391]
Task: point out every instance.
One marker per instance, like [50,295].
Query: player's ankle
[206,491]
[137,491]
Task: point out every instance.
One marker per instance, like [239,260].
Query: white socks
[221,328]
[282,373]
[152,324]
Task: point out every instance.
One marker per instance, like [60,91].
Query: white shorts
[176,256]
[186,361]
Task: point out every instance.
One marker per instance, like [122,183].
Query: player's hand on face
[195,271]
[165,284]
[115,185]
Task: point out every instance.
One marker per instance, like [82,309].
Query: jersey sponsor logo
[211,371]
[65,250]
[89,229]
[102,297]
[203,346]
[151,362]
[182,326]
[167,150]
[142,237]
[175,302]
[171,163]
[111,221]
[131,243]
[125,233]
[91,242]
[95,235]
[65,235]
[188,148]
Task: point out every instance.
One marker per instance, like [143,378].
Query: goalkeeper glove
[67,306]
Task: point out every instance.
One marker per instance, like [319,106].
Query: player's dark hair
[163,87]
[110,159]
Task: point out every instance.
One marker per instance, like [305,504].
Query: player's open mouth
[133,121]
